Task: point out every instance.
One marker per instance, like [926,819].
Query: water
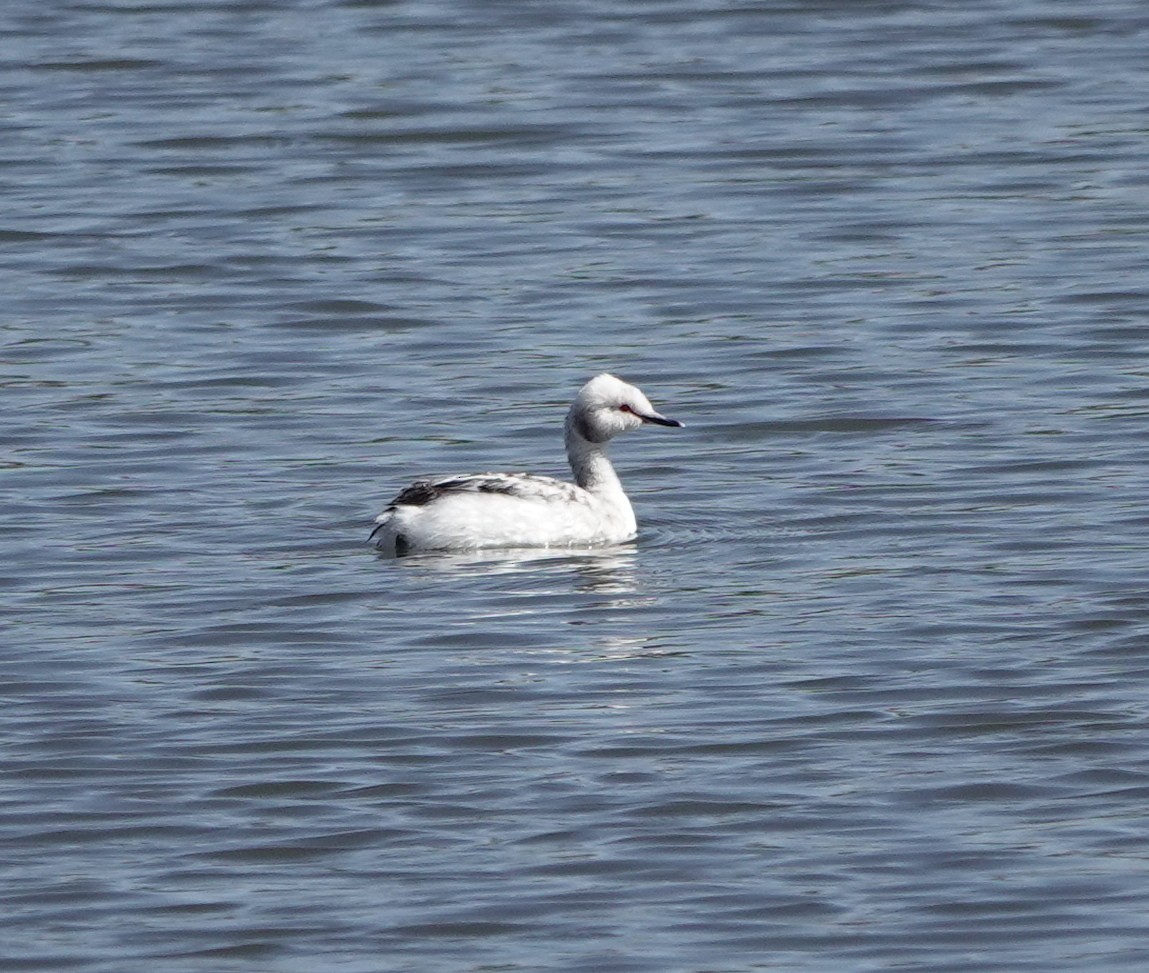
[869,693]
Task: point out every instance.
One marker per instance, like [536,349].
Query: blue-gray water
[869,693]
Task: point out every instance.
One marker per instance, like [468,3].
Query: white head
[606,406]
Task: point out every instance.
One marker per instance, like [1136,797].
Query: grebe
[477,510]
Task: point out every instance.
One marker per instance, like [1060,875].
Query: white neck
[591,466]
[595,474]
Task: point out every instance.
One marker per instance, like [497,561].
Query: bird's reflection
[610,570]
[604,594]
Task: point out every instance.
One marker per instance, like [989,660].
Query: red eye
[625,408]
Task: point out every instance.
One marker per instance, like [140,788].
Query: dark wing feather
[542,489]
[418,494]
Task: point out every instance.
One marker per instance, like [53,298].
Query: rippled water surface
[870,691]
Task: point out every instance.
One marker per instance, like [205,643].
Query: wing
[524,486]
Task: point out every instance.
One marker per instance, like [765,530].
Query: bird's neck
[592,468]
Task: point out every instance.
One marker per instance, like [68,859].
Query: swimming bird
[479,510]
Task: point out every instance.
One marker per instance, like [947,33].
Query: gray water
[870,691]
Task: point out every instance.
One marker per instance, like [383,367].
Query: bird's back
[498,510]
